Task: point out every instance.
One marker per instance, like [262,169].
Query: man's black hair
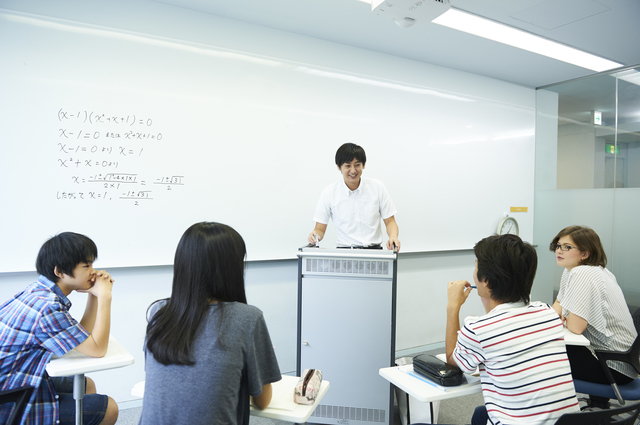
[347,152]
[65,251]
[508,265]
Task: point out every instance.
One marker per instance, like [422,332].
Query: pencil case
[436,370]
[308,386]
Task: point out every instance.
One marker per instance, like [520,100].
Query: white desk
[424,391]
[574,339]
[77,364]
[282,406]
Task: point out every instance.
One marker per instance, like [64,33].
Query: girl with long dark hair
[206,350]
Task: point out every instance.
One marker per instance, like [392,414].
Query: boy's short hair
[508,265]
[586,239]
[347,152]
[65,251]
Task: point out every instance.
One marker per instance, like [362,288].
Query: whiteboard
[130,137]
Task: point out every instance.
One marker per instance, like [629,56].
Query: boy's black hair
[508,265]
[347,152]
[65,251]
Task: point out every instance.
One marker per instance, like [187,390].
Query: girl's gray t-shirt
[233,360]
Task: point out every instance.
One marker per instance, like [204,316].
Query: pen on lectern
[317,240]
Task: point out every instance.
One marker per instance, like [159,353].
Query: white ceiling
[607,28]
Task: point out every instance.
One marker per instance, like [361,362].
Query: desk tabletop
[574,339]
[422,389]
[74,363]
[282,406]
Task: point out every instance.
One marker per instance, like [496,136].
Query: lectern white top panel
[368,263]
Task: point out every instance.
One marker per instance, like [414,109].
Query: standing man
[518,345]
[356,205]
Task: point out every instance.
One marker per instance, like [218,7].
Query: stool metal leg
[78,394]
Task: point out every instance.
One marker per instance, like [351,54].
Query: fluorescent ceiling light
[501,33]
[630,75]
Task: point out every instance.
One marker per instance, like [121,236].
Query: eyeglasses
[565,248]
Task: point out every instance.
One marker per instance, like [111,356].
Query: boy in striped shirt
[518,345]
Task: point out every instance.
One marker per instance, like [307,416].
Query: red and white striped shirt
[524,369]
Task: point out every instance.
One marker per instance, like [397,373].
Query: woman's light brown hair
[586,240]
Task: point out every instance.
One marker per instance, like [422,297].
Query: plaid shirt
[34,326]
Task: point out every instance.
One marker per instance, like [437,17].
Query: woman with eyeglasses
[592,304]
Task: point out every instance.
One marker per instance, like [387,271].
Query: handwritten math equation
[92,117]
[103,157]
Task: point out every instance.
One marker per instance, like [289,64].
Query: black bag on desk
[436,370]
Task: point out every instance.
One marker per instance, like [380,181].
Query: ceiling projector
[407,12]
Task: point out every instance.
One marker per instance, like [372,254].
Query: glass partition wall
[588,172]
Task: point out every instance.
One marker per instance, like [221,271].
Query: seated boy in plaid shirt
[35,324]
